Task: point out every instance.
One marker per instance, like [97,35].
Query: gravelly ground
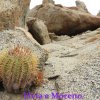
[73,66]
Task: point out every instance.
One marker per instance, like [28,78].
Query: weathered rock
[84,78]
[55,37]
[73,8]
[98,14]
[47,89]
[61,20]
[81,6]
[45,2]
[73,67]
[13,13]
[7,96]
[76,61]
[19,36]
[39,31]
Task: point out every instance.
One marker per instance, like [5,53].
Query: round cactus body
[19,69]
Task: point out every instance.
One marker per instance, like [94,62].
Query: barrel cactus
[19,69]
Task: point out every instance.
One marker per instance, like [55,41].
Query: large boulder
[39,31]
[19,36]
[61,20]
[74,65]
[13,13]
[81,6]
[44,2]
[73,68]
[98,14]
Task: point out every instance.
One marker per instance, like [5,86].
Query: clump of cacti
[19,69]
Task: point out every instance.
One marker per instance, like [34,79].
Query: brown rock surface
[65,21]
[13,13]
[39,31]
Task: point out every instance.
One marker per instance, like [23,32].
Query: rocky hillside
[66,43]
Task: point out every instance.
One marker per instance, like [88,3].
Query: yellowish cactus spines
[19,69]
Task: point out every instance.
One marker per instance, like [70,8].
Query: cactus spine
[19,69]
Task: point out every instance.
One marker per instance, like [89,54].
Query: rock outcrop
[39,31]
[13,13]
[61,20]
[98,14]
[19,36]
[73,66]
[81,6]
[45,2]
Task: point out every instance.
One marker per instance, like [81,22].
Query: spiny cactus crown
[19,69]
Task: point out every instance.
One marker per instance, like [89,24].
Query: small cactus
[19,69]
